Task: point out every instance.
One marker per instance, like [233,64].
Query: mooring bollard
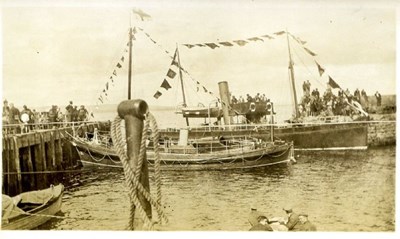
[133,112]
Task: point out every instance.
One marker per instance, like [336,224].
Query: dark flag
[205,90]
[280,33]
[200,45]
[333,84]
[267,36]
[226,43]
[151,39]
[122,59]
[119,65]
[91,114]
[309,51]
[167,52]
[320,69]
[255,39]
[157,94]
[166,85]
[174,63]
[241,42]
[211,45]
[112,80]
[115,72]
[171,74]
[101,100]
[107,86]
[189,45]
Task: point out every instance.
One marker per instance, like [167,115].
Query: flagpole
[296,107]
[130,58]
[181,79]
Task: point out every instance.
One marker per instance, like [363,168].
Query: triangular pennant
[115,72]
[280,33]
[210,92]
[157,94]
[255,39]
[167,52]
[198,88]
[211,45]
[241,42]
[122,59]
[320,69]
[101,100]
[119,65]
[107,86]
[111,78]
[171,74]
[165,85]
[189,45]
[268,36]
[332,83]
[200,45]
[226,43]
[205,90]
[309,51]
[151,39]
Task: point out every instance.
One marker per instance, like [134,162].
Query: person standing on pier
[14,114]
[378,98]
[53,115]
[82,113]
[69,111]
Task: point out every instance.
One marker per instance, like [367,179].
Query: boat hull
[34,219]
[234,159]
[338,136]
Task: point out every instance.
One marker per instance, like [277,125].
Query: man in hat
[253,216]
[304,224]
[262,225]
[293,218]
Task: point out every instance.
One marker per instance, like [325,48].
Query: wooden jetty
[36,159]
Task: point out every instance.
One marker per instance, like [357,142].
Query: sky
[57,52]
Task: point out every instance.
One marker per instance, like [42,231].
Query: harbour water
[340,191]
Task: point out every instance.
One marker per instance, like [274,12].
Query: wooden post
[5,179]
[28,158]
[38,163]
[133,112]
[17,165]
[43,157]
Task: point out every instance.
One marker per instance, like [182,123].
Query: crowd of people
[257,98]
[12,115]
[314,104]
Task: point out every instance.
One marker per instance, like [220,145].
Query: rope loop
[132,175]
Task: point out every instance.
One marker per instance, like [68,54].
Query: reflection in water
[339,191]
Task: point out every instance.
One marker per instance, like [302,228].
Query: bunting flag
[200,45]
[320,69]
[189,45]
[126,50]
[115,72]
[280,33]
[268,36]
[107,86]
[101,100]
[119,65]
[157,94]
[111,78]
[226,43]
[122,58]
[171,74]
[255,39]
[333,84]
[211,45]
[241,42]
[309,51]
[165,85]
[205,89]
[174,63]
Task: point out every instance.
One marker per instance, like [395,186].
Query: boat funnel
[226,101]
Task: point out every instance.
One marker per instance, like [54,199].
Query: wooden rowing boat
[30,209]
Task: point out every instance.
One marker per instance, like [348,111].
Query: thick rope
[132,176]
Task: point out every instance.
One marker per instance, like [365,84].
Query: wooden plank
[38,165]
[43,156]
[30,168]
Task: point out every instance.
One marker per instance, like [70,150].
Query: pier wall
[35,160]
[382,130]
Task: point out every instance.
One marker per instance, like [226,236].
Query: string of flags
[110,82]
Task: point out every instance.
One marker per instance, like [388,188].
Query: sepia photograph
[248,116]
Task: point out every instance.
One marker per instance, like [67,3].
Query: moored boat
[202,154]
[30,209]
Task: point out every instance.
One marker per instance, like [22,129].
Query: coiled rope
[132,175]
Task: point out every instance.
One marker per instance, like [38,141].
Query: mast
[130,63]
[181,80]
[296,107]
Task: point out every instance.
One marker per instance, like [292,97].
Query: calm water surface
[352,191]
